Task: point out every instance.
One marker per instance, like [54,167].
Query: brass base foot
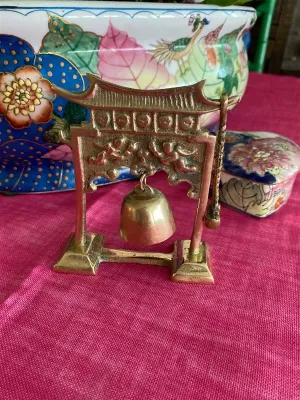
[191,269]
[85,260]
[77,260]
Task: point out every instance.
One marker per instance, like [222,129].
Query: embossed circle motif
[165,122]
[186,123]
[102,118]
[143,120]
[122,120]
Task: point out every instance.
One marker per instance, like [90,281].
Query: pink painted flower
[60,153]
[276,156]
[25,97]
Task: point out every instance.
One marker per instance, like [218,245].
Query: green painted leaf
[228,52]
[227,75]
[196,68]
[230,82]
[240,194]
[73,43]
[75,113]
[261,210]
[228,45]
[53,135]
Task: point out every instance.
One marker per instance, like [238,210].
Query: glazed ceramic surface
[259,170]
[147,46]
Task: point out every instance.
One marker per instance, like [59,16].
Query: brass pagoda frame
[146,131]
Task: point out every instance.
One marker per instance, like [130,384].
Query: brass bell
[146,216]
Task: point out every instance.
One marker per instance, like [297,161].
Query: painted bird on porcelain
[166,51]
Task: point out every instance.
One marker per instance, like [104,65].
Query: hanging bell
[146,216]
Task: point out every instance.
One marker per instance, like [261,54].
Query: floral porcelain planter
[147,46]
[259,171]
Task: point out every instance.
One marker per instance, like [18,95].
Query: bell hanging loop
[143,182]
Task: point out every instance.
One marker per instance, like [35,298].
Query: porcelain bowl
[145,46]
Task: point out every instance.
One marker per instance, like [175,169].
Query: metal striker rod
[219,153]
[197,231]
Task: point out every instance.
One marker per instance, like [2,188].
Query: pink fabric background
[129,332]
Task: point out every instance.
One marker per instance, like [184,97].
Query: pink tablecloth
[130,333]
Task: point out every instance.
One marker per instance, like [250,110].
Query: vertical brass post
[80,228]
[196,238]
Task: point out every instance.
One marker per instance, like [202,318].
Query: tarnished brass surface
[81,259]
[137,257]
[185,268]
[102,95]
[190,268]
[212,220]
[146,217]
[182,158]
[146,131]
[85,261]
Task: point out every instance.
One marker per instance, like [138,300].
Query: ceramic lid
[261,157]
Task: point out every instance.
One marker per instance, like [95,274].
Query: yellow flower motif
[25,97]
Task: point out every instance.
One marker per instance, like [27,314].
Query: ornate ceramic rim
[157,10]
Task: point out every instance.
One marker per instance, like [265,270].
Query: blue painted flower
[27,110]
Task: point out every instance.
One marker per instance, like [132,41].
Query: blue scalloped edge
[151,11]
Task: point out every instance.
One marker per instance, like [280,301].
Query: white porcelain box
[259,170]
